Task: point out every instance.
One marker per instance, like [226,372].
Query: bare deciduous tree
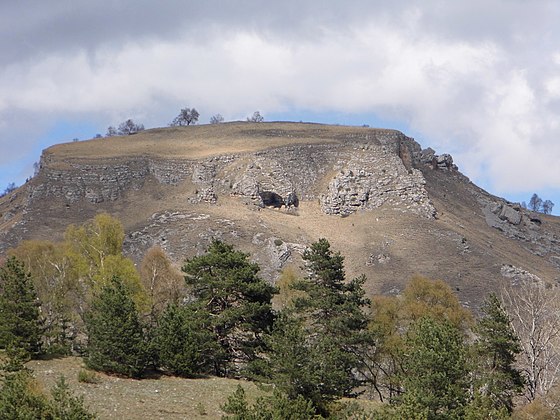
[534,309]
[129,127]
[535,202]
[547,206]
[111,132]
[187,116]
[256,117]
[163,283]
[216,119]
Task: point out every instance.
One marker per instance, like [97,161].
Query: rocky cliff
[392,208]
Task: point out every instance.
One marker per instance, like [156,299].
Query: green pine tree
[21,399]
[65,406]
[435,371]
[20,321]
[227,286]
[497,346]
[316,344]
[273,407]
[184,343]
[116,342]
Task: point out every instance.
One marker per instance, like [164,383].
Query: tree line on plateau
[316,339]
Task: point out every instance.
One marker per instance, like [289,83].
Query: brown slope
[181,187]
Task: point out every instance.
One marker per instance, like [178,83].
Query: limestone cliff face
[391,208]
[98,182]
[363,172]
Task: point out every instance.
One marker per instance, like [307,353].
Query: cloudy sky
[479,79]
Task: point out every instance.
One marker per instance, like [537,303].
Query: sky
[478,79]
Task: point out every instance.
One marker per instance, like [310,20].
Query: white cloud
[467,79]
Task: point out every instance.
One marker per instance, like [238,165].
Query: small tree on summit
[256,117]
[187,116]
[537,204]
[11,187]
[129,127]
[216,119]
[111,132]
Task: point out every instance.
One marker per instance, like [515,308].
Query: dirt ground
[166,397]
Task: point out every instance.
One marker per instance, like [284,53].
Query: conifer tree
[274,407]
[19,399]
[64,405]
[22,398]
[435,372]
[20,323]
[316,345]
[227,286]
[497,347]
[184,343]
[116,341]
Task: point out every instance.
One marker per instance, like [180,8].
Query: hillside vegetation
[418,353]
[340,272]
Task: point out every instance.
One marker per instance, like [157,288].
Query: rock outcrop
[392,208]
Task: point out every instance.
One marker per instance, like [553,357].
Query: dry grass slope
[166,397]
[387,244]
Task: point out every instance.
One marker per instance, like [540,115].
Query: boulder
[444,162]
[510,215]
[291,200]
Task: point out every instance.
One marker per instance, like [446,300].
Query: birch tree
[534,309]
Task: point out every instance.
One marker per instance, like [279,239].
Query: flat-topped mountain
[391,208]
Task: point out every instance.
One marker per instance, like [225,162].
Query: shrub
[88,377]
[276,406]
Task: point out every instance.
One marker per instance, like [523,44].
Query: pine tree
[227,286]
[316,346]
[19,399]
[184,343]
[435,371]
[497,347]
[116,341]
[64,405]
[20,322]
[274,407]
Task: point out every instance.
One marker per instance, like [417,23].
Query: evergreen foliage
[497,347]
[22,399]
[227,286]
[275,407]
[435,371]
[184,343]
[116,341]
[316,345]
[65,406]
[293,364]
[390,320]
[20,322]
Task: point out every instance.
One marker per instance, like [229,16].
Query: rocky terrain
[393,209]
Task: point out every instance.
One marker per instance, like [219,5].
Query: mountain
[392,209]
